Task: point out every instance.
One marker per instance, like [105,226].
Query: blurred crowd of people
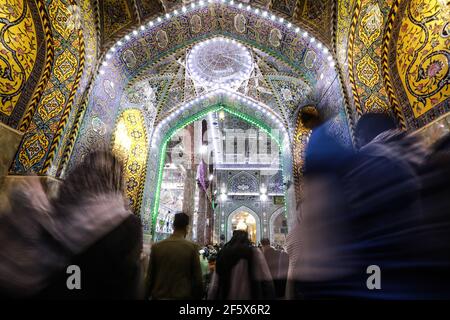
[237,270]
[384,203]
[87,225]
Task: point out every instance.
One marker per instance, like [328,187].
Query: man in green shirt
[174,269]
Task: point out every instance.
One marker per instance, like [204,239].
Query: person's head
[240,237]
[265,242]
[181,222]
[100,173]
[203,253]
[310,118]
[371,125]
[326,162]
[324,155]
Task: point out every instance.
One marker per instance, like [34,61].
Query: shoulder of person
[257,252]
[132,227]
[195,246]
[156,245]
[133,222]
[190,245]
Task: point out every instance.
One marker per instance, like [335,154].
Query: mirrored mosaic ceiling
[117,16]
[169,83]
[147,68]
[288,62]
[260,29]
[61,44]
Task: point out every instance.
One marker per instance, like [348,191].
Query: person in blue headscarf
[321,234]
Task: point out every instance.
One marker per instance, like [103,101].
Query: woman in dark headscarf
[100,235]
[241,272]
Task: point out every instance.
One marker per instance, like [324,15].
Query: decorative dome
[219,62]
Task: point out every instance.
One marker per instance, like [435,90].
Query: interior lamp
[223,197]
[203,149]
[241,225]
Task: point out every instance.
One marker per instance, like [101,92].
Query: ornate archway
[272,219]
[286,58]
[298,58]
[230,102]
[246,210]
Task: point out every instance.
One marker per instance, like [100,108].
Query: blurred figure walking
[174,269]
[318,244]
[278,262]
[241,272]
[30,254]
[293,248]
[383,189]
[98,233]
[435,177]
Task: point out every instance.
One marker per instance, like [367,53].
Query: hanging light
[263,189]
[241,225]
[263,195]
[223,197]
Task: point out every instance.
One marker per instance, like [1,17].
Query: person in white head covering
[241,272]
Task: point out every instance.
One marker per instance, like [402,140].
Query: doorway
[243,218]
[244,221]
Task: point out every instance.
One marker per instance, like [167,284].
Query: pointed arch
[272,218]
[243,182]
[231,103]
[229,231]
